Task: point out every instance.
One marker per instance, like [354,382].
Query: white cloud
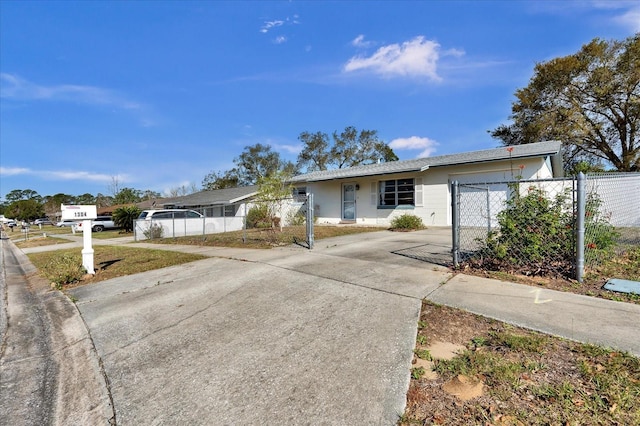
[62,174]
[359,42]
[426,145]
[13,171]
[268,25]
[630,19]
[414,58]
[292,149]
[280,40]
[14,87]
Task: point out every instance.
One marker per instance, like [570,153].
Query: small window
[396,192]
[299,193]
[230,210]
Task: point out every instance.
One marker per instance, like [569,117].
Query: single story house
[374,194]
[225,202]
[222,210]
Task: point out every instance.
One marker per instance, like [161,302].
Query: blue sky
[158,94]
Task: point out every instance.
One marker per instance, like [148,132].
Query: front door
[349,201]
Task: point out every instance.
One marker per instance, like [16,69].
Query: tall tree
[103,200]
[259,161]
[590,100]
[127,196]
[150,195]
[25,209]
[51,205]
[22,194]
[316,152]
[85,199]
[349,148]
[220,180]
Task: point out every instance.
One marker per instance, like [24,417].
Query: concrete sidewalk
[572,316]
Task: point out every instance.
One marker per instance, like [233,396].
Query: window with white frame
[396,192]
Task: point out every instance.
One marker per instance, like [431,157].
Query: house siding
[433,199]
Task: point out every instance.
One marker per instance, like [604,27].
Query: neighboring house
[222,209]
[215,203]
[373,194]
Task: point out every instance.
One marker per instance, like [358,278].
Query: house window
[228,210]
[300,193]
[396,192]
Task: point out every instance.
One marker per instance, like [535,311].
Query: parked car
[42,221]
[99,224]
[67,222]
[169,214]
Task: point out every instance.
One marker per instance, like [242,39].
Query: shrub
[155,230]
[64,269]
[536,235]
[600,235]
[407,222]
[258,217]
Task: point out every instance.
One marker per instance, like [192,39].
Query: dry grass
[265,238]
[528,377]
[625,265]
[114,261]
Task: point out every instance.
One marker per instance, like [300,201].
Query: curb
[74,384]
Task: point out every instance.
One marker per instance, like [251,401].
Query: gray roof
[212,198]
[421,164]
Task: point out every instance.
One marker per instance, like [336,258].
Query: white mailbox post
[85,214]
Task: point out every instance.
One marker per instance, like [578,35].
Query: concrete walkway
[291,336]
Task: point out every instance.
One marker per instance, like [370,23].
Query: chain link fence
[551,227]
[275,222]
[612,216]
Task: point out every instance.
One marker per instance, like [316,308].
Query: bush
[536,235]
[407,222]
[154,231]
[600,236]
[64,269]
[258,217]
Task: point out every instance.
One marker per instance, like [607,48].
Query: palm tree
[124,217]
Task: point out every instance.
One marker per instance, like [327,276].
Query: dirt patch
[463,387]
[505,375]
[445,350]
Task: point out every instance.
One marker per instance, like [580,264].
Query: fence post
[244,223]
[488,210]
[580,215]
[310,215]
[455,223]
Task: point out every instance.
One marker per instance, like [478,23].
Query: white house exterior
[374,194]
[222,210]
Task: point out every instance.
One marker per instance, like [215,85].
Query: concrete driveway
[282,336]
